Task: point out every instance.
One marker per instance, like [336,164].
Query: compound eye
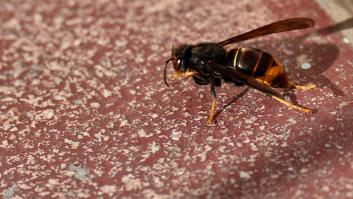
[181,65]
[177,65]
[178,62]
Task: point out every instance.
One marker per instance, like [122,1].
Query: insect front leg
[212,115]
[186,74]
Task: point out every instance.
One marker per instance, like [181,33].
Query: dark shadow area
[313,148]
[271,173]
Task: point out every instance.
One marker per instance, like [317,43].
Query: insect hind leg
[294,106]
[302,87]
[287,103]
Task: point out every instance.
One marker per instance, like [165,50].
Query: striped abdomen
[258,64]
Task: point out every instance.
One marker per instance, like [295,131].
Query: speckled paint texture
[84,112]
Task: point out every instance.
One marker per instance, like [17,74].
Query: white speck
[303,170]
[148,193]
[225,130]
[131,183]
[74,145]
[143,133]
[59,97]
[108,189]
[284,144]
[79,172]
[10,192]
[246,140]
[346,40]
[65,44]
[95,105]
[24,186]
[84,133]
[158,131]
[244,175]
[254,147]
[176,135]
[18,70]
[120,43]
[153,115]
[107,93]
[100,136]
[5,143]
[8,99]
[305,65]
[349,186]
[38,18]
[292,121]
[343,104]
[331,128]
[124,123]
[154,147]
[203,155]
[251,120]
[14,129]
[325,188]
[333,112]
[48,114]
[132,92]
[349,194]
[12,137]
[111,125]
[274,176]
[52,182]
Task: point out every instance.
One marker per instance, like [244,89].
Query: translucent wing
[276,27]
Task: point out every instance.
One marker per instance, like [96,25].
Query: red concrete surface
[84,112]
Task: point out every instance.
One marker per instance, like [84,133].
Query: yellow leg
[212,113]
[302,109]
[303,87]
[186,74]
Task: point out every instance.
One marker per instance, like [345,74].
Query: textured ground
[84,111]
